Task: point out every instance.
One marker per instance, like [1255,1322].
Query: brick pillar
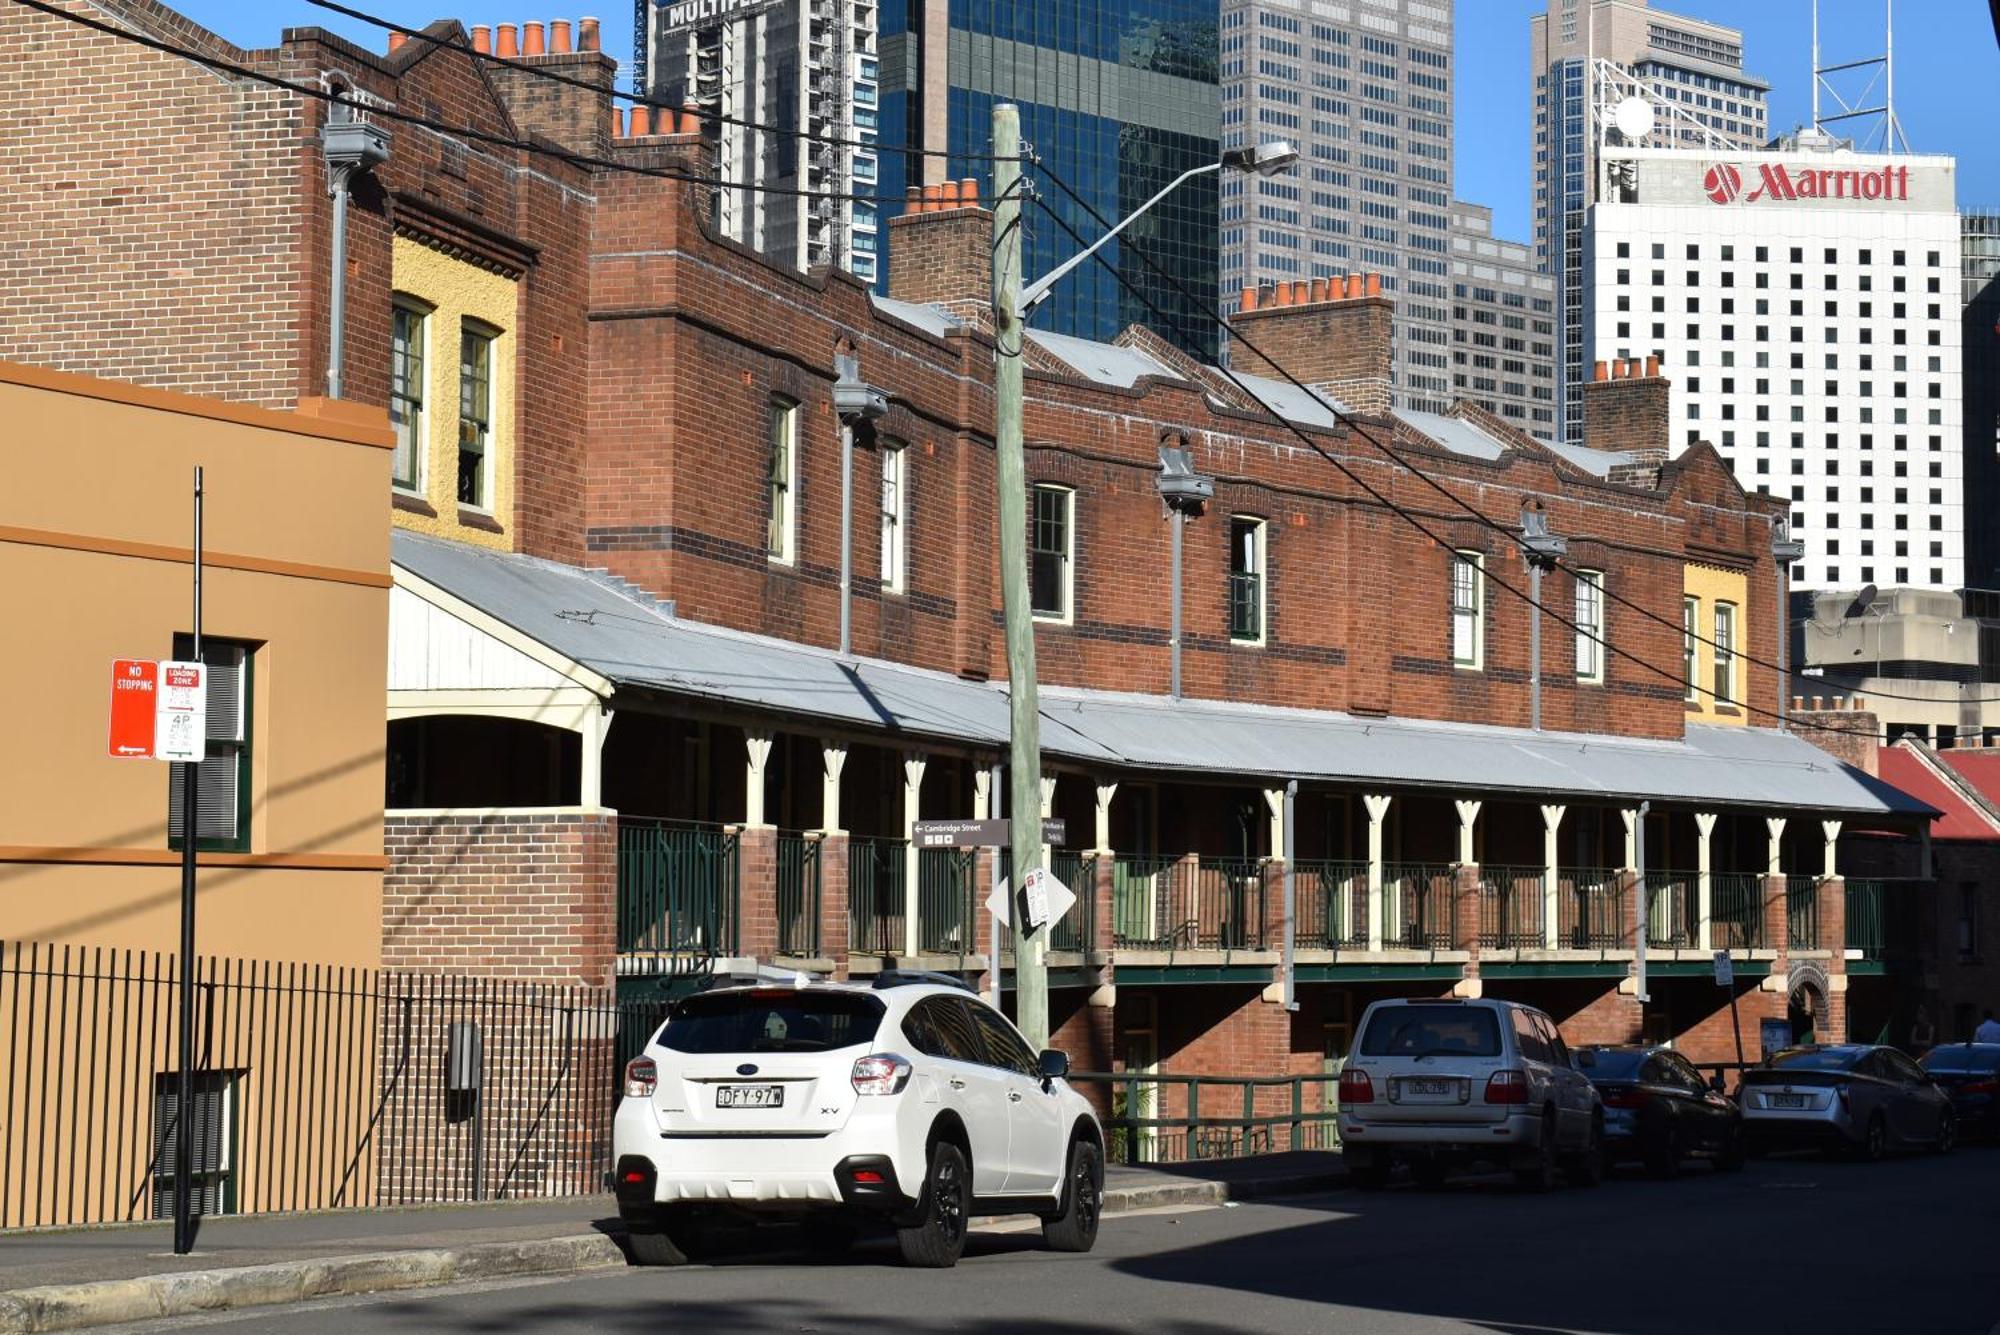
[833,901]
[1833,938]
[757,891]
[1777,931]
[986,872]
[1465,907]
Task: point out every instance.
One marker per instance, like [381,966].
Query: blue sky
[1947,65]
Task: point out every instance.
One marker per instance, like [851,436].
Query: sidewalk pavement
[76,1278]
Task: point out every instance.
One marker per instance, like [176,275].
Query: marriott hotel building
[1804,303]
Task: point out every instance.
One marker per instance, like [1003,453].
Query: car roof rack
[911,977]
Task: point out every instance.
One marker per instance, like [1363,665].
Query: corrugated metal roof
[1307,408]
[1595,462]
[1455,434]
[1961,819]
[639,645]
[1105,363]
[927,318]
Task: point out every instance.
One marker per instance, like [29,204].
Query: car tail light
[1981,1087]
[1623,1098]
[1507,1087]
[880,1073]
[1840,1092]
[641,1078]
[1356,1087]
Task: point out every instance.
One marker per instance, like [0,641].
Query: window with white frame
[408,355]
[1590,625]
[1468,610]
[1246,579]
[1052,550]
[895,512]
[783,476]
[1725,653]
[1690,621]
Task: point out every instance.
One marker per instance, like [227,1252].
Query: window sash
[1246,579]
[222,780]
[784,445]
[406,396]
[475,416]
[1589,625]
[1466,569]
[892,517]
[1049,553]
[1690,618]
[1725,653]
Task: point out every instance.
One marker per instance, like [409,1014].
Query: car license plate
[750,1096]
[1788,1100]
[1434,1089]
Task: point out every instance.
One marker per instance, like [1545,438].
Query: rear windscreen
[1983,1058]
[773,1020]
[1822,1059]
[1435,1031]
[1610,1064]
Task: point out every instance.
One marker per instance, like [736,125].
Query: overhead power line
[1470,511]
[553,76]
[449,131]
[1404,514]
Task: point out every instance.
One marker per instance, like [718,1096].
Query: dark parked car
[1659,1110]
[1848,1096]
[1970,1074]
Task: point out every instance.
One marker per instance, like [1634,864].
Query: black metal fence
[1179,1118]
[316,1087]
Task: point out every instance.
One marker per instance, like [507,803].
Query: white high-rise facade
[1805,304]
[780,80]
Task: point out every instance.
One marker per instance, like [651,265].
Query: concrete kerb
[153,1297]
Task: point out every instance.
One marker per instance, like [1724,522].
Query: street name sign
[979,833]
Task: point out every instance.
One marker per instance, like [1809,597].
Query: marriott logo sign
[1724,183]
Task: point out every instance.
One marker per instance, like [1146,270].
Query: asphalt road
[1910,1246]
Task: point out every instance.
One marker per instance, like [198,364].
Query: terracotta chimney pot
[531,40]
[1652,368]
[559,36]
[1601,371]
[1374,284]
[617,122]
[948,195]
[642,120]
[482,39]
[1249,299]
[586,35]
[396,40]
[1281,294]
[509,47]
[968,192]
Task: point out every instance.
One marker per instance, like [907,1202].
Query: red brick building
[623,741]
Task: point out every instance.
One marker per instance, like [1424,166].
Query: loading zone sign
[159,710]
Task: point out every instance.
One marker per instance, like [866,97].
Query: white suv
[1442,1082]
[911,1102]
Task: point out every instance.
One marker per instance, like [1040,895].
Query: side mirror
[1055,1065]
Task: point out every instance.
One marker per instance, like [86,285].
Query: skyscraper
[1117,98]
[1979,276]
[1503,313]
[790,76]
[1364,92]
[1692,66]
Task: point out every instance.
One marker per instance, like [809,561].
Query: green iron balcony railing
[1417,898]
[1736,908]
[875,902]
[1867,930]
[1802,912]
[1511,903]
[1332,905]
[677,888]
[799,898]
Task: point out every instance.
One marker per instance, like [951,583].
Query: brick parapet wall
[523,895]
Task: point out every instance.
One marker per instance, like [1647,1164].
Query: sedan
[1852,1096]
[1659,1110]
[1970,1074]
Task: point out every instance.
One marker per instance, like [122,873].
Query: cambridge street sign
[978,833]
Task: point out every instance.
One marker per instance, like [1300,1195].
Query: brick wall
[1335,340]
[120,264]
[1845,729]
[522,895]
[941,250]
[1625,408]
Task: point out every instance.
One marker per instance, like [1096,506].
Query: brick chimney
[1845,729]
[579,119]
[941,247]
[1331,333]
[666,140]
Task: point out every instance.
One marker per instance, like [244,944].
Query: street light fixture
[859,405]
[1542,550]
[1266,159]
[1185,492]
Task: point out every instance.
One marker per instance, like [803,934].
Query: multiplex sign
[692,13]
[1724,183]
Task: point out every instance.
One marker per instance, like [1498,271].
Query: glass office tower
[1117,98]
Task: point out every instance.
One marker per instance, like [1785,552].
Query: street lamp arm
[1039,289]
